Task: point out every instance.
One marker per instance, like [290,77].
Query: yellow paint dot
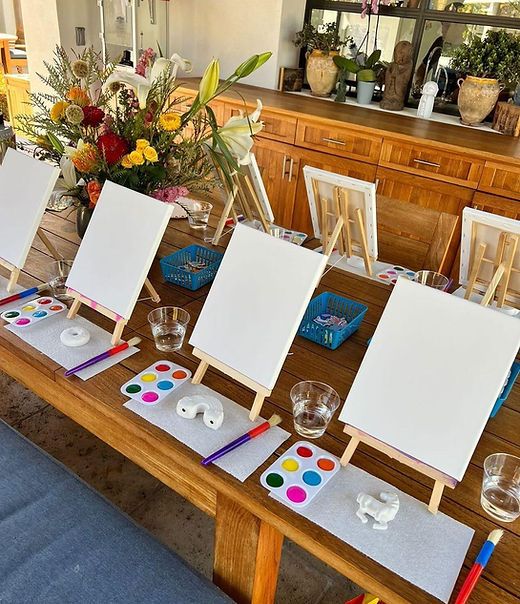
[148,377]
[29,307]
[290,465]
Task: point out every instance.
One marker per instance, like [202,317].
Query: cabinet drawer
[276,126]
[501,179]
[496,205]
[345,142]
[432,162]
[187,101]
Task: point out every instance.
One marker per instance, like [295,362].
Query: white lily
[68,172]
[143,84]
[238,133]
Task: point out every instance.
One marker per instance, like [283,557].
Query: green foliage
[497,55]
[326,40]
[366,69]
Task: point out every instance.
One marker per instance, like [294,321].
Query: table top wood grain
[98,406]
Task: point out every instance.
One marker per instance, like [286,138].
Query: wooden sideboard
[435,165]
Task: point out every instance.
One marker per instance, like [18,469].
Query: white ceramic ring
[74,336]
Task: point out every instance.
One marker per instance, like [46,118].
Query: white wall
[233,31]
[78,13]
[7,17]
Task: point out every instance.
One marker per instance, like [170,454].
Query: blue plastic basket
[171,266]
[352,311]
[515,370]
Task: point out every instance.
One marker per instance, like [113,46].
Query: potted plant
[323,44]
[365,69]
[488,64]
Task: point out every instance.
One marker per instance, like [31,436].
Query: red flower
[112,147]
[94,191]
[93,116]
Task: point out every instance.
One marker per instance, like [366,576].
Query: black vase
[83,216]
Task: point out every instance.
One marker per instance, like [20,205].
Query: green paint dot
[133,389]
[11,315]
[274,480]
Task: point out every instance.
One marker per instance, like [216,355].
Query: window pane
[501,8]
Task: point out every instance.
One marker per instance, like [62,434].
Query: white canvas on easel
[254,308]
[118,249]
[431,375]
[25,187]
[478,228]
[253,171]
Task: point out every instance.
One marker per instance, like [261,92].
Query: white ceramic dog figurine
[381,511]
[213,413]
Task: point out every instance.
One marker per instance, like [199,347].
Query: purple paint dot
[150,397]
[22,321]
[296,494]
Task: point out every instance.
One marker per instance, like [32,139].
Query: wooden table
[250,526]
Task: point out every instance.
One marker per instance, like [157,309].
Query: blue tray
[173,271]
[515,370]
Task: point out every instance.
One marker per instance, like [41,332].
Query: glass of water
[168,325]
[198,214]
[500,495]
[58,272]
[314,404]
[432,279]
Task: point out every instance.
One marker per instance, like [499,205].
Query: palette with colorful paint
[156,382]
[391,274]
[300,474]
[33,311]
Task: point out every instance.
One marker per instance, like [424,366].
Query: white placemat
[240,463]
[425,549]
[45,337]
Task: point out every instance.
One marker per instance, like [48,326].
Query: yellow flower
[170,121]
[78,96]
[141,144]
[137,158]
[151,154]
[126,162]
[58,111]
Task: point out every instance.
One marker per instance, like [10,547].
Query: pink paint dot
[296,494]
[23,321]
[150,397]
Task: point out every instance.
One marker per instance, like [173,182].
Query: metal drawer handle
[291,166]
[424,162]
[335,141]
[284,163]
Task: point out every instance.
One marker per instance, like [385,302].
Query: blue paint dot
[311,478]
[39,313]
[165,385]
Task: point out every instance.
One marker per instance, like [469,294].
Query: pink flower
[145,60]
[170,194]
[373,9]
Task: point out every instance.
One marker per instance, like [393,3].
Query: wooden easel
[338,210]
[244,195]
[120,321]
[15,270]
[441,480]
[502,268]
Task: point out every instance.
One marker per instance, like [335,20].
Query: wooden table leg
[247,554]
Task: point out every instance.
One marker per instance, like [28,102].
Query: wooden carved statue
[397,77]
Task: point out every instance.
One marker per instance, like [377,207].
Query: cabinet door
[301,220]
[497,205]
[279,166]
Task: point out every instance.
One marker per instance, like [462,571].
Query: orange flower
[86,158]
[94,191]
[78,96]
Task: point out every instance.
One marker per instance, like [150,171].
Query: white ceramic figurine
[429,92]
[381,511]
[213,413]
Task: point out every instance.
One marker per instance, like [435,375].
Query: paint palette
[287,234]
[156,382]
[34,311]
[300,474]
[391,274]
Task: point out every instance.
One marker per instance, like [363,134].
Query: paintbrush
[104,355]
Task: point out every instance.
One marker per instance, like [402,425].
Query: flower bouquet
[104,122]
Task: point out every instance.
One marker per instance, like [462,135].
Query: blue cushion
[63,543]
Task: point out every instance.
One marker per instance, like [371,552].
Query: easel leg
[46,242]
[199,374]
[435,499]
[15,273]
[324,225]
[152,291]
[257,406]
[364,244]
[337,211]
[73,311]
[224,216]
[344,213]
[475,268]
[118,332]
[335,235]
[509,256]
[493,284]
[349,451]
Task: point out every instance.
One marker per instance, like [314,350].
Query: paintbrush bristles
[274,420]
[134,341]
[495,536]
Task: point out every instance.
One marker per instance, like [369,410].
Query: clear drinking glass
[198,214]
[500,495]
[58,272]
[314,404]
[431,279]
[168,325]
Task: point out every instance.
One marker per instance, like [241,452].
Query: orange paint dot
[326,464]
[179,374]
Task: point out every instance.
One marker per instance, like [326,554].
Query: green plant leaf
[373,58]
[346,64]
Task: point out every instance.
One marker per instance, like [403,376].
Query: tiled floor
[173,520]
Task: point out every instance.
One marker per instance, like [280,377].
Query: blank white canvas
[118,248]
[25,187]
[256,303]
[259,187]
[361,194]
[431,375]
